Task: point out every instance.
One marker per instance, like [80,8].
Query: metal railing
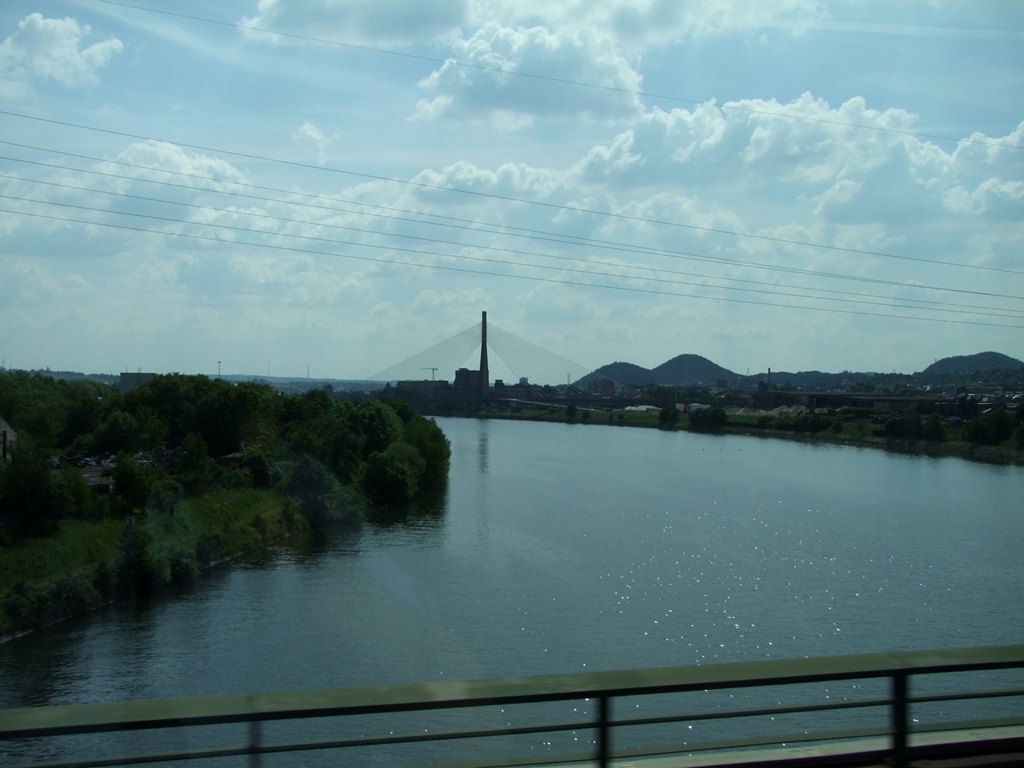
[898,738]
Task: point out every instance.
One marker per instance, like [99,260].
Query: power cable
[887,300]
[532,278]
[505,262]
[550,79]
[487,195]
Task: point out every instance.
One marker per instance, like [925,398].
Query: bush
[570,412]
[909,427]
[992,429]
[140,570]
[804,422]
[258,463]
[668,416]
[707,420]
[311,485]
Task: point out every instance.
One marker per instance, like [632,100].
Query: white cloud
[477,91]
[640,24]
[153,157]
[367,22]
[51,49]
[308,134]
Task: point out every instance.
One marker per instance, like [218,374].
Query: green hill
[979,363]
[690,369]
[683,369]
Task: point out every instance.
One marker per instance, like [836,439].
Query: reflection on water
[425,511]
[482,453]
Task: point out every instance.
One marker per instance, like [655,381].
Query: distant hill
[626,373]
[683,369]
[979,363]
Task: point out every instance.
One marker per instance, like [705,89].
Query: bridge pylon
[485,388]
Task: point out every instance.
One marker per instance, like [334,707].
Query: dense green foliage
[668,417]
[193,419]
[87,564]
[707,420]
[991,429]
[272,462]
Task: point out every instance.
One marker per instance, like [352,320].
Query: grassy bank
[89,564]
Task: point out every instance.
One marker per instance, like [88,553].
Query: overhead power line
[507,198]
[550,78]
[887,300]
[248,230]
[532,278]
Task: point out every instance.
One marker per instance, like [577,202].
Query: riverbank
[857,433]
[87,564]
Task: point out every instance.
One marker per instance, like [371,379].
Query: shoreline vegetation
[108,496]
[847,429]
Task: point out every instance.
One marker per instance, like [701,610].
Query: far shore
[987,454]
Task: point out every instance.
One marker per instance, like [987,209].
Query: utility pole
[218,369]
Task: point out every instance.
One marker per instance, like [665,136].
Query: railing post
[900,719]
[255,739]
[603,717]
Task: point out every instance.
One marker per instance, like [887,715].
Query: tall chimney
[484,374]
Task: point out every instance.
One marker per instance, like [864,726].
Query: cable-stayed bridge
[438,374]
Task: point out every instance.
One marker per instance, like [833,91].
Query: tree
[570,412]
[28,493]
[393,475]
[433,445]
[133,482]
[668,417]
[378,425]
[934,429]
[311,485]
[258,463]
[194,463]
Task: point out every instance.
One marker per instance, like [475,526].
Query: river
[560,548]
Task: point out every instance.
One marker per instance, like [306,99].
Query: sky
[340,184]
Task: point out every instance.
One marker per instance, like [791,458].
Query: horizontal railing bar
[738,713]
[161,757]
[414,738]
[968,725]
[757,741]
[305,746]
[754,741]
[1002,693]
[308,746]
[214,710]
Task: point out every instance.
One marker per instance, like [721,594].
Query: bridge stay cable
[538,366]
